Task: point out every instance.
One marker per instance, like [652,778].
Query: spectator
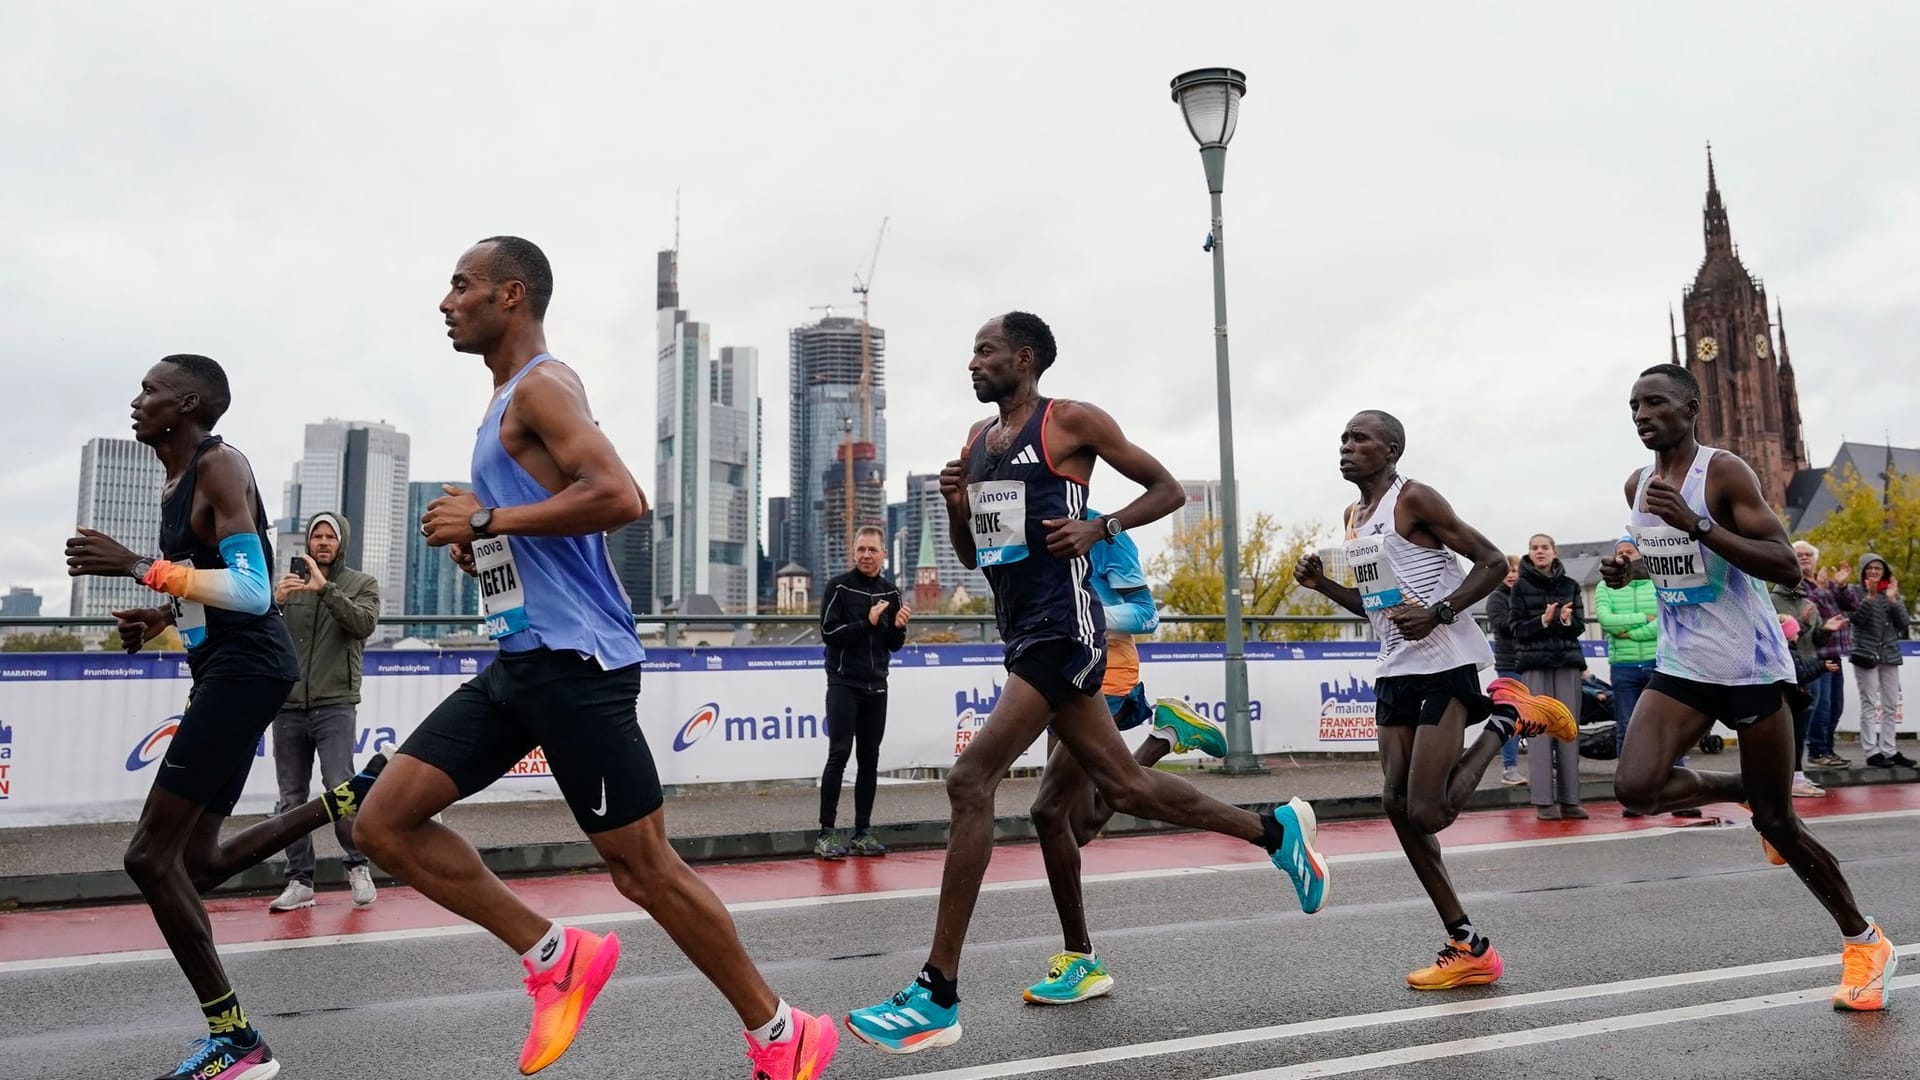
[1801,622]
[1830,689]
[1546,618]
[863,622]
[330,610]
[1630,619]
[1498,603]
[1880,624]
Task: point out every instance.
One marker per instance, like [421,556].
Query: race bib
[999,521]
[190,618]
[502,599]
[1373,574]
[1676,564]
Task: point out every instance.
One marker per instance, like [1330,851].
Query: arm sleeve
[239,586]
[1135,614]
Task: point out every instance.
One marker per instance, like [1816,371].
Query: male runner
[547,485]
[215,556]
[1710,542]
[1016,504]
[1068,813]
[1403,542]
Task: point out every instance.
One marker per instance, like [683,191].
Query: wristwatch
[1444,609]
[1700,531]
[481,522]
[140,569]
[1112,525]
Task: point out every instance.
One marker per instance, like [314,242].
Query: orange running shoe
[1866,974]
[562,994]
[803,1057]
[1458,966]
[1539,714]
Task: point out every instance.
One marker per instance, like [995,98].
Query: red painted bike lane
[69,932]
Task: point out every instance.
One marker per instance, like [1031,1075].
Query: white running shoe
[361,879]
[1804,788]
[295,896]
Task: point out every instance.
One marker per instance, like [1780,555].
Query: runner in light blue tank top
[560,592]
[1710,541]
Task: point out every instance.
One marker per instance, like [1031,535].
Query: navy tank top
[555,592]
[1036,596]
[221,643]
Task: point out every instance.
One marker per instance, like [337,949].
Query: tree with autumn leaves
[1189,580]
[1883,518]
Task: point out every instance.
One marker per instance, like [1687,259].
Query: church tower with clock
[1748,402]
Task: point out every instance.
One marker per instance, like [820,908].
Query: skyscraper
[358,468]
[20,602]
[630,549]
[827,425]
[1202,505]
[120,483]
[707,468]
[435,586]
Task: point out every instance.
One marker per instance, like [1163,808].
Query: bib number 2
[502,598]
[999,521]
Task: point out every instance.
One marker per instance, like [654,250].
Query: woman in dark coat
[1545,615]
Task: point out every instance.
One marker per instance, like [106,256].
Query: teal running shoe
[906,1023]
[1071,977]
[1297,857]
[1188,729]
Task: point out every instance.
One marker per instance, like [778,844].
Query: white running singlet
[1390,570]
[1717,624]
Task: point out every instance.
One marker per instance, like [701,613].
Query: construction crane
[863,391]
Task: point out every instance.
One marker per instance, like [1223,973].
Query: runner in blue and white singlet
[1711,544]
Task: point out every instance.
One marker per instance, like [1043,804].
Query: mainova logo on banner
[1347,711]
[6,760]
[970,710]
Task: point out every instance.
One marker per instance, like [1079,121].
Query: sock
[1273,834]
[1165,736]
[547,951]
[1462,931]
[1867,937]
[344,799]
[777,1030]
[226,1018]
[1503,719]
[944,991]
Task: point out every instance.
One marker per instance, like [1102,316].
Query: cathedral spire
[1673,339]
[1780,320]
[1719,234]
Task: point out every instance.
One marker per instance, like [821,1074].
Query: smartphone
[300,568]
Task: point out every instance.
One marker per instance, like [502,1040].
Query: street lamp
[1209,98]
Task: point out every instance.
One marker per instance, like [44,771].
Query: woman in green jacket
[1629,619]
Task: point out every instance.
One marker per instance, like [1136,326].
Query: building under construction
[826,426]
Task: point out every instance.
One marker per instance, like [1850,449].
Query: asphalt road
[1644,955]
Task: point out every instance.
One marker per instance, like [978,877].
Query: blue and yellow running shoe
[1071,977]
[1297,857]
[1188,729]
[906,1023]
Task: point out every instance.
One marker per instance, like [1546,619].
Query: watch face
[1760,348]
[1706,349]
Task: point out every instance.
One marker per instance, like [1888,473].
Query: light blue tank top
[559,592]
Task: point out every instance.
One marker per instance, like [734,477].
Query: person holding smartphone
[1880,624]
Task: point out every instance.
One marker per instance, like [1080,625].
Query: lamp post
[1209,98]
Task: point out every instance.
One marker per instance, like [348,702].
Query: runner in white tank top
[1710,541]
[1401,545]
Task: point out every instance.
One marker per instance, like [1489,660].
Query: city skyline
[1515,280]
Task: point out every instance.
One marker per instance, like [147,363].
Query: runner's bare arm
[599,493]
[1435,515]
[1311,574]
[1089,430]
[953,488]
[1752,536]
[223,516]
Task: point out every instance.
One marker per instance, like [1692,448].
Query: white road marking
[1552,1033]
[631,915]
[1325,1025]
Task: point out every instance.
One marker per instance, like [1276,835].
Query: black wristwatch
[481,522]
[141,568]
[1113,526]
[1699,532]
[1444,609]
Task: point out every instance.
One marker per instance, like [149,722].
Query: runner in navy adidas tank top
[547,487]
[1711,543]
[1016,503]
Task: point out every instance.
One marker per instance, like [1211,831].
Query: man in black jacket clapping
[863,621]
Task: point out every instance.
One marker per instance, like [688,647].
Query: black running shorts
[582,716]
[1420,700]
[1735,706]
[1058,667]
[219,736]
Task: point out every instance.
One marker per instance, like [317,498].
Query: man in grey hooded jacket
[1880,624]
[331,611]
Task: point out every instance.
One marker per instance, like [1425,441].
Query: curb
[106,886]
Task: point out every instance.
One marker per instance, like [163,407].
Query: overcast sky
[1472,216]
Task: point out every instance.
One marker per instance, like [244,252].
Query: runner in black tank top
[1016,507]
[212,581]
[1041,601]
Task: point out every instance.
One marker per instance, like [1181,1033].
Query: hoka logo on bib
[702,721]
